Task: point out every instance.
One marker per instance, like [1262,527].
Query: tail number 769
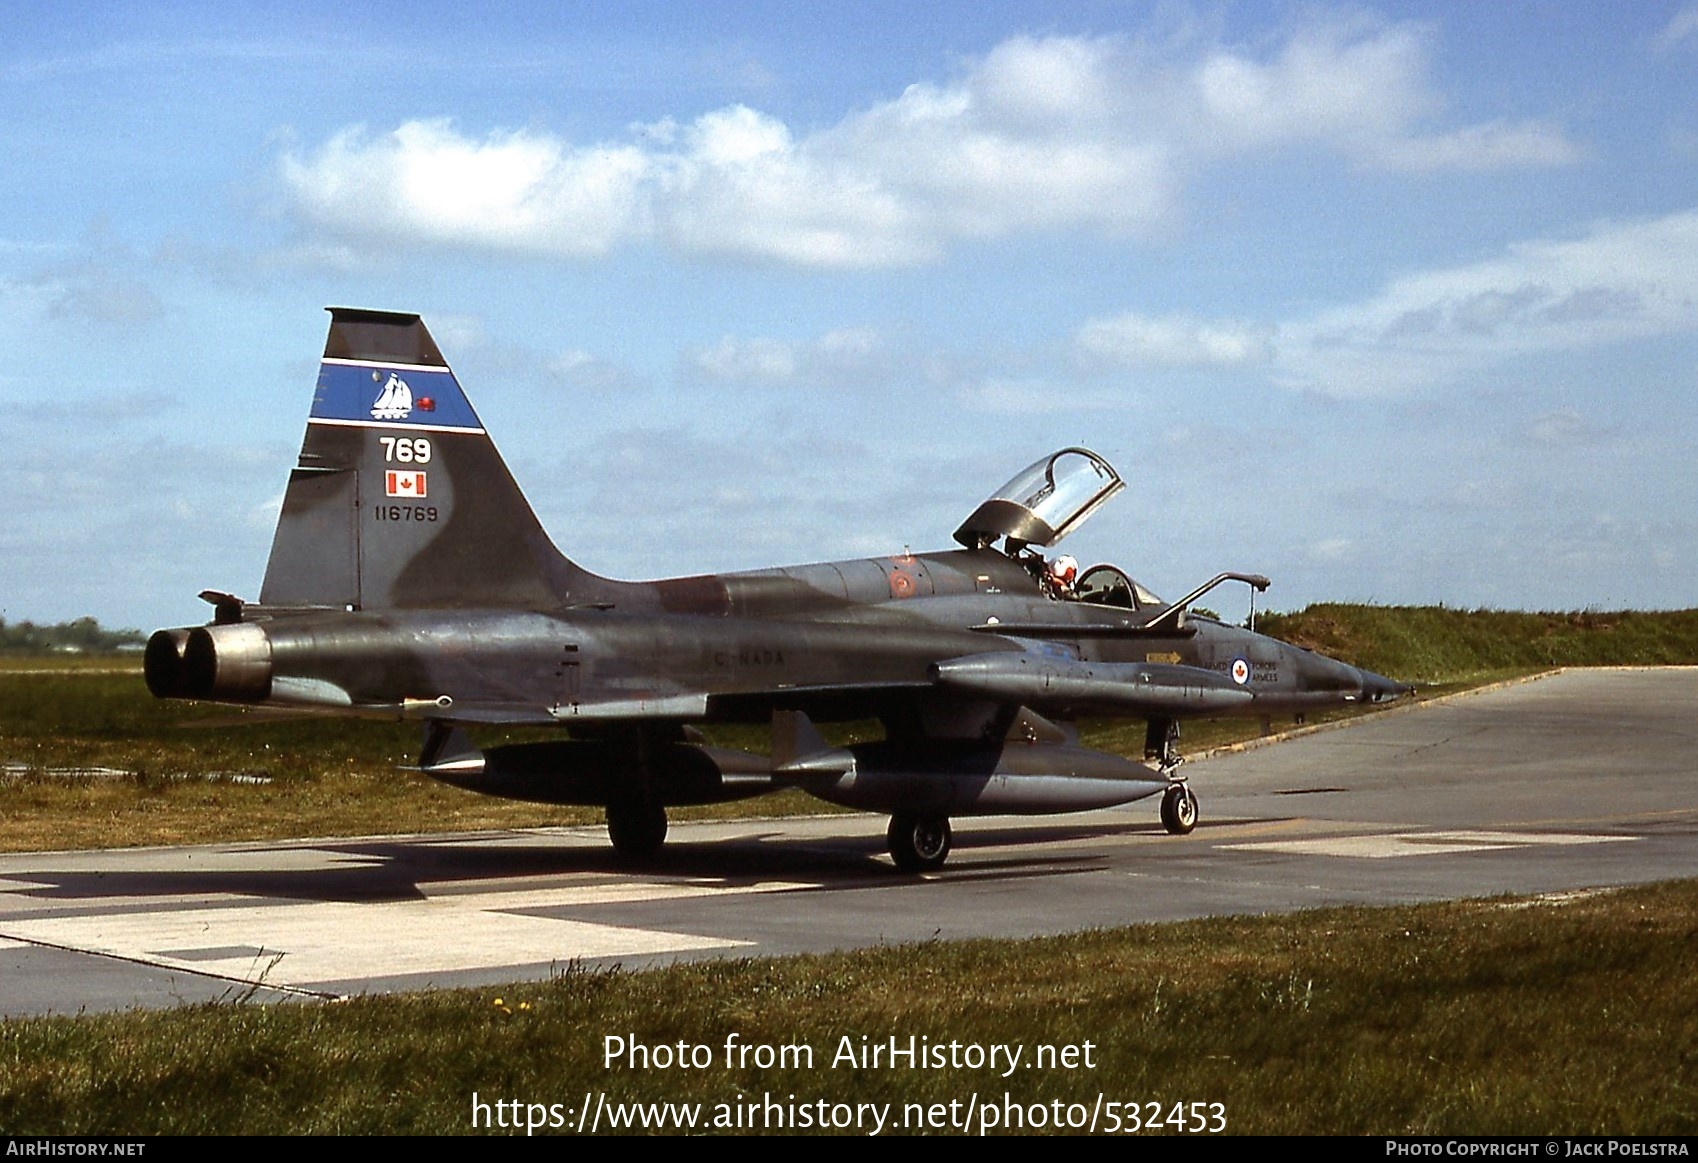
[405,449]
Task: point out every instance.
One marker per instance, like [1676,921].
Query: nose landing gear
[1179,802]
[1179,808]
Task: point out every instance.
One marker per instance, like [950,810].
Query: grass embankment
[1569,1016]
[1436,645]
[89,759]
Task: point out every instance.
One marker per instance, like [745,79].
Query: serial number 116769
[403,512]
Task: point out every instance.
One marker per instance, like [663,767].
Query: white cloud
[1682,26]
[489,360]
[759,360]
[1035,397]
[741,186]
[685,490]
[1495,145]
[100,281]
[1351,86]
[23,303]
[1331,549]
[1135,340]
[586,372]
[1622,281]
[1040,134]
[1366,93]
[1567,426]
[511,191]
[857,357]
[456,333]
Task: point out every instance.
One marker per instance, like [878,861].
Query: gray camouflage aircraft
[409,577]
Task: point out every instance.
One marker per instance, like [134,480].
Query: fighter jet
[410,578]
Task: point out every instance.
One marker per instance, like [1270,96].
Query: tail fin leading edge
[400,499]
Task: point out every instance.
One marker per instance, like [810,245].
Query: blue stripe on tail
[391,395]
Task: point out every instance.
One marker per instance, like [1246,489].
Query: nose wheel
[1179,809]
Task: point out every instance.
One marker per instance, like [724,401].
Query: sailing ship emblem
[395,402]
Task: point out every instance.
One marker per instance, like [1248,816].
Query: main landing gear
[637,827]
[1178,802]
[919,843]
[636,813]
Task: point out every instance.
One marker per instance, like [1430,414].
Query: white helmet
[1064,569]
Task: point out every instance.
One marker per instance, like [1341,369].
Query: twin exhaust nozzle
[230,663]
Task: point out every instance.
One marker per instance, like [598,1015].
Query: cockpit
[1041,505]
[1105,585]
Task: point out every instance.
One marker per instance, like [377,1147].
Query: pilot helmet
[1063,570]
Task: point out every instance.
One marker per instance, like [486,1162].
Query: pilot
[1063,572]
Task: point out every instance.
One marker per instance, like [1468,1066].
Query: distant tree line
[84,636]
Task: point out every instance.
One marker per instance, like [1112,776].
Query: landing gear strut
[919,843]
[636,816]
[1179,802]
[1161,743]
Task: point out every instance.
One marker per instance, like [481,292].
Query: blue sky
[1394,303]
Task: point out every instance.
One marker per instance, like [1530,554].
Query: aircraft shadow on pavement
[377,869]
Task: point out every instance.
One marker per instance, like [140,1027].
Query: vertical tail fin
[400,499]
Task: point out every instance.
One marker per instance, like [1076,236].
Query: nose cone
[1377,688]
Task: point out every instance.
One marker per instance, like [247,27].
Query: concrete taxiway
[1577,780]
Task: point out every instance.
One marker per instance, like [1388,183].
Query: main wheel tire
[919,843]
[1179,809]
[637,829]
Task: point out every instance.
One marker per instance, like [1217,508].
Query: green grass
[1571,1016]
[92,760]
[1434,644]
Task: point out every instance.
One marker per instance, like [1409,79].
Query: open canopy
[1044,503]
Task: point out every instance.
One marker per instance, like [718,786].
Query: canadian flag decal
[404,484]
